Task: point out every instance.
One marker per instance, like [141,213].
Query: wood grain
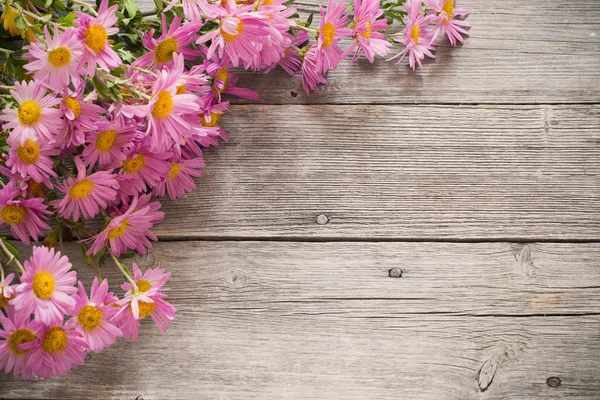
[324,320]
[399,172]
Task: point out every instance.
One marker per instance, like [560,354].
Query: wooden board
[409,172]
[324,320]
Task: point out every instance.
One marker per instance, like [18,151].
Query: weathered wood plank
[410,172]
[324,321]
[519,52]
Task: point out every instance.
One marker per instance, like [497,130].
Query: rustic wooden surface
[476,180]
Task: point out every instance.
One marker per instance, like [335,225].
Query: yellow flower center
[4,300]
[90,317]
[214,120]
[117,232]
[175,168]
[13,214]
[223,75]
[163,106]
[449,9]
[106,140]
[55,340]
[43,285]
[29,152]
[82,189]
[328,32]
[367,32]
[228,37]
[19,337]
[146,309]
[74,105]
[30,113]
[165,49]
[267,3]
[143,285]
[95,38]
[59,57]
[181,89]
[414,33]
[132,165]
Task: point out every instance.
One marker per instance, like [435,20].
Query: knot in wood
[322,219]
[395,273]
[553,382]
[237,279]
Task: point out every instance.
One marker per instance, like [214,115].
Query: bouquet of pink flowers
[106,110]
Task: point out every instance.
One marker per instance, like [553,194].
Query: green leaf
[129,254]
[67,20]
[159,6]
[105,92]
[20,22]
[46,17]
[130,7]
[10,248]
[310,19]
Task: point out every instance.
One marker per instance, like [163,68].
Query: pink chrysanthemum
[311,73]
[32,159]
[93,32]
[367,35]
[86,194]
[36,117]
[55,60]
[57,349]
[179,179]
[419,40]
[106,145]
[17,331]
[238,34]
[81,116]
[46,286]
[224,81]
[7,291]
[129,229]
[92,317]
[167,127]
[147,301]
[175,39]
[26,217]
[332,30]
[448,19]
[290,62]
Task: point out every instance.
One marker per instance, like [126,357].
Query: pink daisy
[208,128]
[311,73]
[46,286]
[80,115]
[26,217]
[419,41]
[332,30]
[57,349]
[290,62]
[92,317]
[32,159]
[106,145]
[179,179]
[17,330]
[36,117]
[142,167]
[175,39]
[224,81]
[448,19]
[367,35]
[55,60]
[93,32]
[85,194]
[237,36]
[129,229]
[7,291]
[147,301]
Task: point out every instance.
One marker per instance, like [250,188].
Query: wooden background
[476,179]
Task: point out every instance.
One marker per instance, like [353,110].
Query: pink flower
[175,39]
[7,291]
[106,145]
[290,62]
[26,217]
[332,30]
[311,73]
[46,286]
[92,317]
[130,229]
[81,116]
[147,300]
[57,349]
[36,117]
[237,36]
[93,32]
[18,331]
[86,194]
[367,37]
[55,60]
[448,20]
[179,179]
[224,81]
[143,167]
[419,41]
[32,159]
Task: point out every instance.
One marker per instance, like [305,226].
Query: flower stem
[11,257]
[85,5]
[120,266]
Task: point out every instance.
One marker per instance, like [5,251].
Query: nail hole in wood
[322,219]
[553,382]
[395,273]
[294,94]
